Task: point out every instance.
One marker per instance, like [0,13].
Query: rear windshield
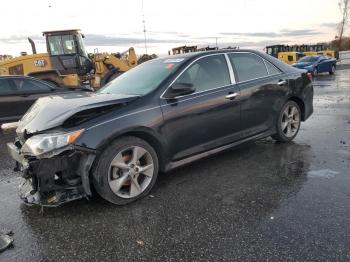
[143,78]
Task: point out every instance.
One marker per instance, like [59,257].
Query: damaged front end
[55,168]
[54,177]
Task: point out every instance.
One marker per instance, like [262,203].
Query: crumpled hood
[303,64]
[52,111]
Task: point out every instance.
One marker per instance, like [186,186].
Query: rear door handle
[231,96]
[281,82]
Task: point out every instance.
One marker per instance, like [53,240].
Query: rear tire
[126,170]
[332,70]
[288,122]
[315,72]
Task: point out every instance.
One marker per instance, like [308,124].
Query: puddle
[323,173]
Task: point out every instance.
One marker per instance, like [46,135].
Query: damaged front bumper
[54,180]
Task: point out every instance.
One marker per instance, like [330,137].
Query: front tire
[315,72]
[288,122]
[126,170]
[332,72]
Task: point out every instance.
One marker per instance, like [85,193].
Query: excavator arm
[108,66]
[123,65]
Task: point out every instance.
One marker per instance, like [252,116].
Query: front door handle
[231,96]
[282,82]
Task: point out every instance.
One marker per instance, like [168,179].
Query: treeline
[345,44]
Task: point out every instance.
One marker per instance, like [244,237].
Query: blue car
[317,64]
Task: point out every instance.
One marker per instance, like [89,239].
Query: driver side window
[207,73]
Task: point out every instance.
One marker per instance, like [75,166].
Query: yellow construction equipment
[184,49]
[68,63]
[290,57]
[290,54]
[189,49]
[330,53]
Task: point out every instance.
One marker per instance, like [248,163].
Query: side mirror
[181,89]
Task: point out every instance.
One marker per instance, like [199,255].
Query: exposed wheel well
[300,104]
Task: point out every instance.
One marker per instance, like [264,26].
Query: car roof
[220,51]
[19,76]
[194,55]
[26,77]
[316,56]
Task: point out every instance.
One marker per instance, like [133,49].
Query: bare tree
[344,6]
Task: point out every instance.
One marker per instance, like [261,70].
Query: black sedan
[18,93]
[158,116]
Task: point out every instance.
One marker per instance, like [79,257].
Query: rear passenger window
[6,88]
[248,66]
[207,73]
[272,69]
[30,86]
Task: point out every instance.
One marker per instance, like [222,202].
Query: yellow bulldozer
[68,63]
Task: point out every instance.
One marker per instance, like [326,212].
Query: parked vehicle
[18,93]
[317,64]
[281,51]
[68,63]
[160,115]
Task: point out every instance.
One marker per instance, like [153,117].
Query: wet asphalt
[263,201]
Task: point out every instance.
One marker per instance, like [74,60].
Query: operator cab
[67,51]
[273,50]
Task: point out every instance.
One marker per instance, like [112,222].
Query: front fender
[146,124]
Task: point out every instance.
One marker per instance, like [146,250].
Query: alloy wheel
[290,121]
[130,172]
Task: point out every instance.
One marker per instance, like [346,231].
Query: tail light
[309,76]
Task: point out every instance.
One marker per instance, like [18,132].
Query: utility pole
[144,26]
[344,6]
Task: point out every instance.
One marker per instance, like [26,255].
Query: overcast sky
[114,25]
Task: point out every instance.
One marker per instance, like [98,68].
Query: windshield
[143,78]
[307,59]
[62,44]
[82,49]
